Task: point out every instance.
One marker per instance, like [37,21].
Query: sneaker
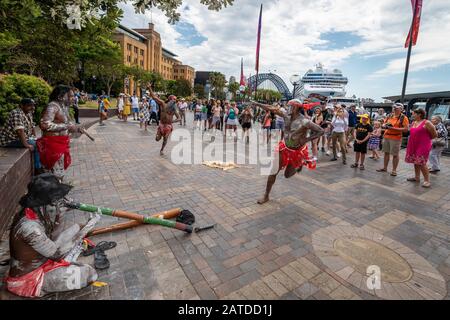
[323,149]
[339,154]
[314,158]
[333,159]
[328,153]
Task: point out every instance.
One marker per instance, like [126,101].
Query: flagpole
[258,45]
[408,57]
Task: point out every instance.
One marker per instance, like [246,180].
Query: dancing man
[167,111]
[292,151]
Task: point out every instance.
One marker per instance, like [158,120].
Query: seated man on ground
[40,249]
[18,131]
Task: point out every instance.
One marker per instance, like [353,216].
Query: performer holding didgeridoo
[40,247]
[292,151]
[54,145]
[167,111]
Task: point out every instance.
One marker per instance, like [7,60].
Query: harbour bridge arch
[275,79]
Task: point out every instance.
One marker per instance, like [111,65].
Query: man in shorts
[395,124]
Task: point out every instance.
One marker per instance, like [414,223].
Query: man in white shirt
[135,106]
[182,105]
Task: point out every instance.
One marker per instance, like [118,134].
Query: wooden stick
[122,226]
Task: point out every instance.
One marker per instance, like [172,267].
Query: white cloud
[292,30]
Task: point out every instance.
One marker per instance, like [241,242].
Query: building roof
[130,32]
[427,95]
[168,53]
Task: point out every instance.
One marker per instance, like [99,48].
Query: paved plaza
[313,240]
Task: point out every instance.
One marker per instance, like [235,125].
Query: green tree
[233,87]
[199,91]
[218,82]
[14,87]
[184,88]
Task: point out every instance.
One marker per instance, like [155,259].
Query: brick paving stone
[325,282]
[275,285]
[204,291]
[306,290]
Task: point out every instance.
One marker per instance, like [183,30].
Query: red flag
[258,44]
[417,8]
[242,82]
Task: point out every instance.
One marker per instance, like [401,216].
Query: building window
[135,60]
[142,63]
[129,58]
[142,52]
[136,50]
[129,47]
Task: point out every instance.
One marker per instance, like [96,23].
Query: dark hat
[43,190]
[26,101]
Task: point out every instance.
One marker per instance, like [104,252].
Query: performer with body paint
[292,151]
[42,254]
[167,111]
[54,145]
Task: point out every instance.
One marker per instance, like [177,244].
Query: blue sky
[362,38]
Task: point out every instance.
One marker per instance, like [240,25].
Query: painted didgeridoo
[122,226]
[130,216]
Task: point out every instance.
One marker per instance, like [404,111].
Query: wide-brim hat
[43,190]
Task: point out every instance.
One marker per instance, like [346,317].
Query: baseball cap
[398,105]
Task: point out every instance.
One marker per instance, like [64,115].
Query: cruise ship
[323,82]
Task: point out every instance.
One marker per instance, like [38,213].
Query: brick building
[143,48]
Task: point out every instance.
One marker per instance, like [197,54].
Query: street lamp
[94,78]
[295,80]
[80,68]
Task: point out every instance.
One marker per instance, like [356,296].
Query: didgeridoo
[122,226]
[130,216]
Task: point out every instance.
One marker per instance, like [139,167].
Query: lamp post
[295,80]
[80,68]
[94,78]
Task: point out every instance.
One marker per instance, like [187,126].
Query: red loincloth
[51,148]
[30,284]
[294,157]
[165,129]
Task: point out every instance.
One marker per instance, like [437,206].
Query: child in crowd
[361,136]
[374,140]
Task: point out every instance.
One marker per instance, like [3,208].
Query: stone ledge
[15,174]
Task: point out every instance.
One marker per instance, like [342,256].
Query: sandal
[393,173]
[361,167]
[381,170]
[355,165]
[426,185]
[101,261]
[412,180]
[101,246]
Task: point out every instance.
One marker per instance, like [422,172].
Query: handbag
[439,142]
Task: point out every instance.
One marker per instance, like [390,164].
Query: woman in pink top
[422,132]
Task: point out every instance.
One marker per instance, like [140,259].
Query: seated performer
[38,246]
[54,145]
[167,111]
[292,151]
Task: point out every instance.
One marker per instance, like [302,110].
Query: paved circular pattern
[360,253]
[348,251]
